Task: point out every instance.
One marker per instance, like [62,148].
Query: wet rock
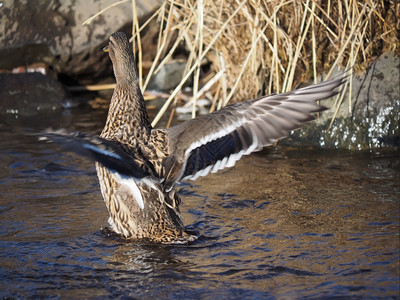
[373,120]
[73,102]
[51,31]
[28,94]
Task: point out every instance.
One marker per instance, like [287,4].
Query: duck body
[138,166]
[128,126]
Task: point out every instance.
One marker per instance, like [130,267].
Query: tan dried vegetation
[259,47]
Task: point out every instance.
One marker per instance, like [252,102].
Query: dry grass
[260,47]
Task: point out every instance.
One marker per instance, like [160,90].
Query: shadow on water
[283,223]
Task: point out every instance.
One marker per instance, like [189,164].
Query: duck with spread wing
[138,166]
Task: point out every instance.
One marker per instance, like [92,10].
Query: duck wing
[215,141]
[108,153]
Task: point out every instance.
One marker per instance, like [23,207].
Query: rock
[51,31]
[374,118]
[169,76]
[28,94]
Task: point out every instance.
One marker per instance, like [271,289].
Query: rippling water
[284,223]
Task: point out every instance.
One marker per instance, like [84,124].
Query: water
[282,224]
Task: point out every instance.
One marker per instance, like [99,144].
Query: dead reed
[259,47]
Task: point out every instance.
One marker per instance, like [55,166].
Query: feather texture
[138,166]
[217,140]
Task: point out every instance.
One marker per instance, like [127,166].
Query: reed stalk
[258,47]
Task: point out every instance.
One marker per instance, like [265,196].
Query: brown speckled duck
[138,166]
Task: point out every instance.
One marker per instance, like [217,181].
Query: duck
[139,166]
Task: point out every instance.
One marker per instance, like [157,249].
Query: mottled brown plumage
[138,166]
[128,125]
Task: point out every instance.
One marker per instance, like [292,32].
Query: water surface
[283,223]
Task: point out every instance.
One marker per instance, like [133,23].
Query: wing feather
[217,140]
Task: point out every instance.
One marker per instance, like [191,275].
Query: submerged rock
[28,94]
[370,119]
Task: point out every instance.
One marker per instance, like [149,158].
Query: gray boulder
[169,76]
[51,31]
[374,118]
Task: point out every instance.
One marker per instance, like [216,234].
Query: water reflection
[285,223]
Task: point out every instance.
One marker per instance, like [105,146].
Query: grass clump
[259,47]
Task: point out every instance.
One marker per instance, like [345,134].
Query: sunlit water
[281,224]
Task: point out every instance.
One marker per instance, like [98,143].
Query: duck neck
[127,113]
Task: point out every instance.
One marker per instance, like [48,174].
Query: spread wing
[217,140]
[108,153]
